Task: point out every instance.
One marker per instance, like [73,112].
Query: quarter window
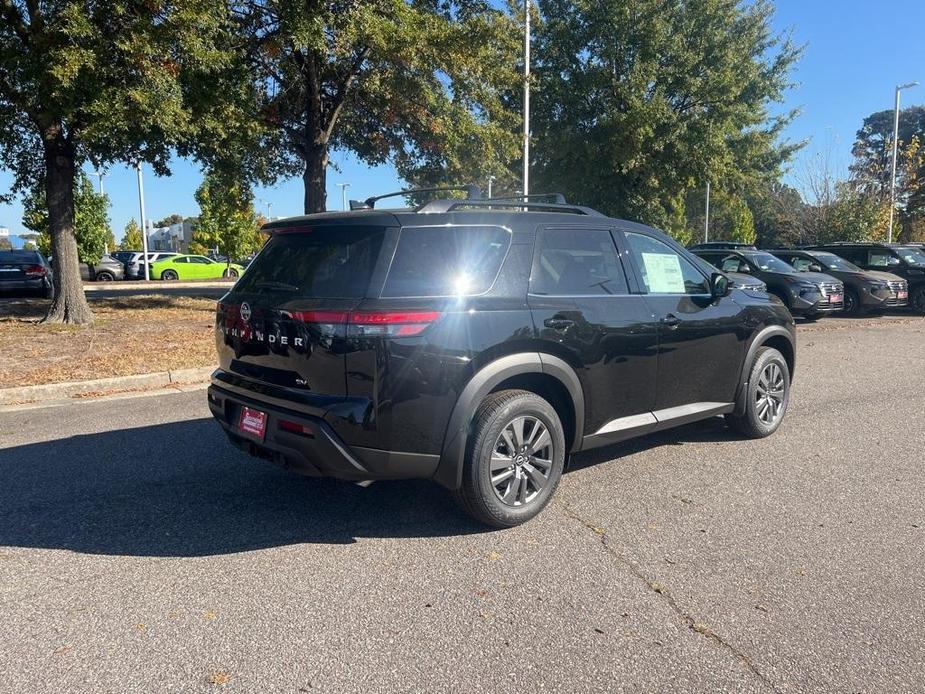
[577,262]
[664,270]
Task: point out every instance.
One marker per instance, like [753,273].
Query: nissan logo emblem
[245,312]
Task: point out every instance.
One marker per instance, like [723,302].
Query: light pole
[899,88]
[144,223]
[526,99]
[343,195]
[490,181]
[706,219]
[100,175]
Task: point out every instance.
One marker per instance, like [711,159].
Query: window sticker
[663,273]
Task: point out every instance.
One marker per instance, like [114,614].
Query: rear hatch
[285,321]
[20,265]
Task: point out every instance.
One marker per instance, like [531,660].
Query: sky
[856,51]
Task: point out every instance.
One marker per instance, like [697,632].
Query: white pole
[343,195]
[490,180]
[706,221]
[269,210]
[526,98]
[899,88]
[144,223]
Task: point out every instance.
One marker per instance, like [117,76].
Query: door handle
[558,323]
[671,321]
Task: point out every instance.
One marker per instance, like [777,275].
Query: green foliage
[5,244]
[227,221]
[91,220]
[170,220]
[418,84]
[638,101]
[131,237]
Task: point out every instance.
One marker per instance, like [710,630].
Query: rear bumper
[23,285]
[319,452]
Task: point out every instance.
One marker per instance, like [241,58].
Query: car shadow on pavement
[181,489]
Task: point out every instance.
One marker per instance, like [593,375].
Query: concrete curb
[71,389]
[154,285]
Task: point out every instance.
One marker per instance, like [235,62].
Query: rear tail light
[296,428]
[373,323]
[35,271]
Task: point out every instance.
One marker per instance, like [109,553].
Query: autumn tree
[101,82]
[418,84]
[227,221]
[131,237]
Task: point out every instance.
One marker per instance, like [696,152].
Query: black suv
[806,294]
[907,262]
[478,343]
[865,291]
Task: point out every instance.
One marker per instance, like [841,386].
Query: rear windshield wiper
[273,284]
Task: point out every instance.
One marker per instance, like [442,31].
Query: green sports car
[193,267]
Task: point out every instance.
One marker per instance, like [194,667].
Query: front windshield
[913,256]
[768,262]
[834,262]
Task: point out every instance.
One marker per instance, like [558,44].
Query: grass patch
[130,335]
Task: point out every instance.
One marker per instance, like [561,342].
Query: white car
[134,268]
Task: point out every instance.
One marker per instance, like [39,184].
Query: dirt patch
[131,335]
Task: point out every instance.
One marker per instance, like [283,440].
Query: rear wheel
[766,397]
[514,459]
[104,276]
[230,272]
[918,299]
[170,275]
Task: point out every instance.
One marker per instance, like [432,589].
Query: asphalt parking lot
[141,552]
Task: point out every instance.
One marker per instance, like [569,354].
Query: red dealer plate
[902,295]
[253,422]
[835,299]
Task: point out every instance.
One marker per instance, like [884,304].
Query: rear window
[20,257]
[446,261]
[334,262]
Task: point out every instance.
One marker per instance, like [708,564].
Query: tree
[99,82]
[640,101]
[91,220]
[170,220]
[131,237]
[419,84]
[5,244]
[227,221]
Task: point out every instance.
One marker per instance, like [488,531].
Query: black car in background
[714,245]
[25,272]
[865,290]
[478,343]
[908,262]
[806,294]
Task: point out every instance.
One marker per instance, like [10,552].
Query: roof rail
[556,198]
[472,193]
[438,206]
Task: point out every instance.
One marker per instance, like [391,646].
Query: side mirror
[815,268]
[719,285]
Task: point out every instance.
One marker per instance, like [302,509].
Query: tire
[170,275]
[516,498]
[753,422]
[917,299]
[48,292]
[104,276]
[852,303]
[230,272]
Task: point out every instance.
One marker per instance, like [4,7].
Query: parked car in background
[124,256]
[865,290]
[193,267]
[479,347]
[713,245]
[25,272]
[134,268]
[908,262]
[806,294]
[107,270]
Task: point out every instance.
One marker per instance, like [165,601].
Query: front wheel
[170,275]
[918,299]
[767,395]
[514,459]
[852,303]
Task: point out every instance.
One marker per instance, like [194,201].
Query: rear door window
[446,261]
[577,262]
[327,262]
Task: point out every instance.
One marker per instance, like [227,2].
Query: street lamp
[101,176]
[144,223]
[706,221]
[343,194]
[899,88]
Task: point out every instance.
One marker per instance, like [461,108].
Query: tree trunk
[315,179]
[69,304]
